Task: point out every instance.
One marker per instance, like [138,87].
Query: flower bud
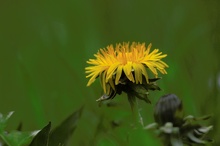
[169,109]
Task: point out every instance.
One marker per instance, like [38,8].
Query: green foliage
[62,133]
[42,138]
[58,137]
[44,46]
[13,138]
[190,132]
[4,120]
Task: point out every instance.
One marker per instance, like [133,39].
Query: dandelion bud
[168,109]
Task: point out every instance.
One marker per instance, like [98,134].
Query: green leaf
[17,138]
[61,134]
[4,120]
[41,139]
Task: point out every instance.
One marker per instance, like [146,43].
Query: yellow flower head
[125,60]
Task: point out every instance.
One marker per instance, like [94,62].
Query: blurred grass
[44,47]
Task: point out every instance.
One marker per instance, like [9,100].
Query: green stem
[139,114]
[4,139]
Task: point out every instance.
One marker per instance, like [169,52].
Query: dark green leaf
[42,138]
[61,134]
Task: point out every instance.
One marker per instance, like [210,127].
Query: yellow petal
[111,70]
[151,67]
[111,83]
[92,79]
[127,70]
[137,73]
[118,74]
[103,77]
[144,72]
[148,49]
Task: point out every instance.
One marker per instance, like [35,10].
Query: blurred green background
[44,46]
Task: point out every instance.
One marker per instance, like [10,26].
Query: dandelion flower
[125,62]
